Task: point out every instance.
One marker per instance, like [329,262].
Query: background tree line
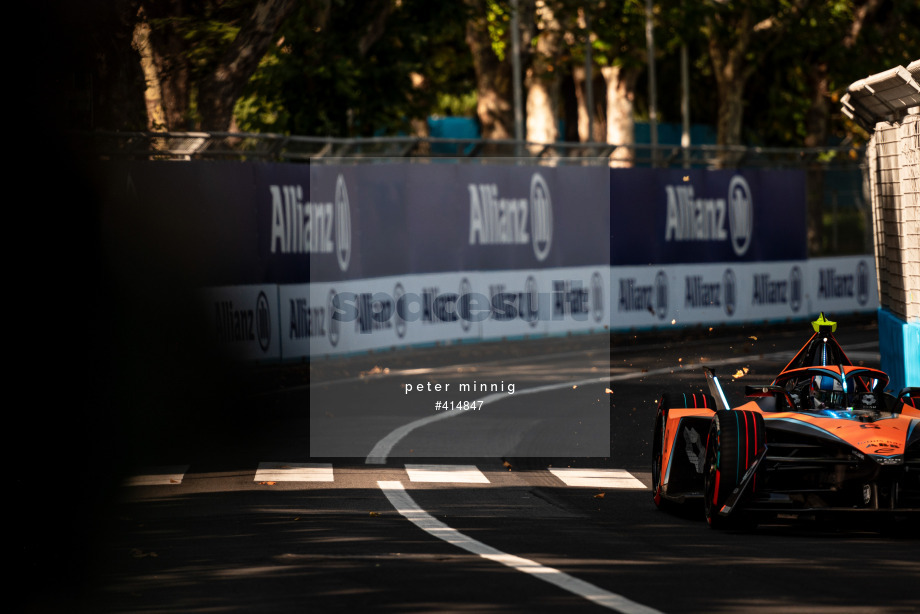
[763,72]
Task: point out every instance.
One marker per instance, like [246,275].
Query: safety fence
[112,145]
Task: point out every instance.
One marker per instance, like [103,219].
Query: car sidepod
[679,446]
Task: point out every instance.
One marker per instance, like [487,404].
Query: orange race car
[823,437]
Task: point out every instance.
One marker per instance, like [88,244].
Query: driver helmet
[827,392]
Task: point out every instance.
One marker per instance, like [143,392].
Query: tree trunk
[169,56]
[543,80]
[219,90]
[818,114]
[599,121]
[731,73]
[493,78]
[153,93]
[731,112]
[621,129]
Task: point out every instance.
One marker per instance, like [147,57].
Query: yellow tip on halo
[822,321]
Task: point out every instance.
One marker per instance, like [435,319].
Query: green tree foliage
[197,55]
[361,69]
[364,67]
[794,100]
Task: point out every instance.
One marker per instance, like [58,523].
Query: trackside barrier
[887,105]
[295,260]
[298,321]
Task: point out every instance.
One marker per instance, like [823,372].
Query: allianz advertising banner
[328,223]
[351,258]
[325,318]
[407,254]
[727,293]
[674,216]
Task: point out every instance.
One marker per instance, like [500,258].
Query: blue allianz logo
[661,295]
[333,322]
[729,291]
[342,224]
[263,322]
[795,288]
[740,214]
[541,217]
[862,282]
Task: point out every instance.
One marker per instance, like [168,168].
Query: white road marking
[294,472]
[600,478]
[381,450]
[462,474]
[408,508]
[158,476]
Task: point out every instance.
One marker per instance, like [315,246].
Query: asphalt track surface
[218,536]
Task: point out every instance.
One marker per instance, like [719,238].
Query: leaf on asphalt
[753,337]
[140,554]
[599,495]
[506,464]
[267,483]
[608,391]
[375,514]
[741,373]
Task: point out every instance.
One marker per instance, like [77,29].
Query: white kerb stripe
[463,474]
[294,472]
[158,476]
[408,508]
[601,478]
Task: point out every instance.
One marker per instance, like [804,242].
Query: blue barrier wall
[899,342]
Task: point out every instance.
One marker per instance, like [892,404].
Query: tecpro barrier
[296,260]
[297,321]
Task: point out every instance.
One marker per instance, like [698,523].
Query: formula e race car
[824,437]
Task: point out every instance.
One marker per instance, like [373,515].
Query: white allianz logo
[496,220]
[690,218]
[299,227]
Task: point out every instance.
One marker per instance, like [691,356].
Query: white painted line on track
[294,472]
[461,474]
[381,450]
[158,476]
[600,478]
[409,509]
